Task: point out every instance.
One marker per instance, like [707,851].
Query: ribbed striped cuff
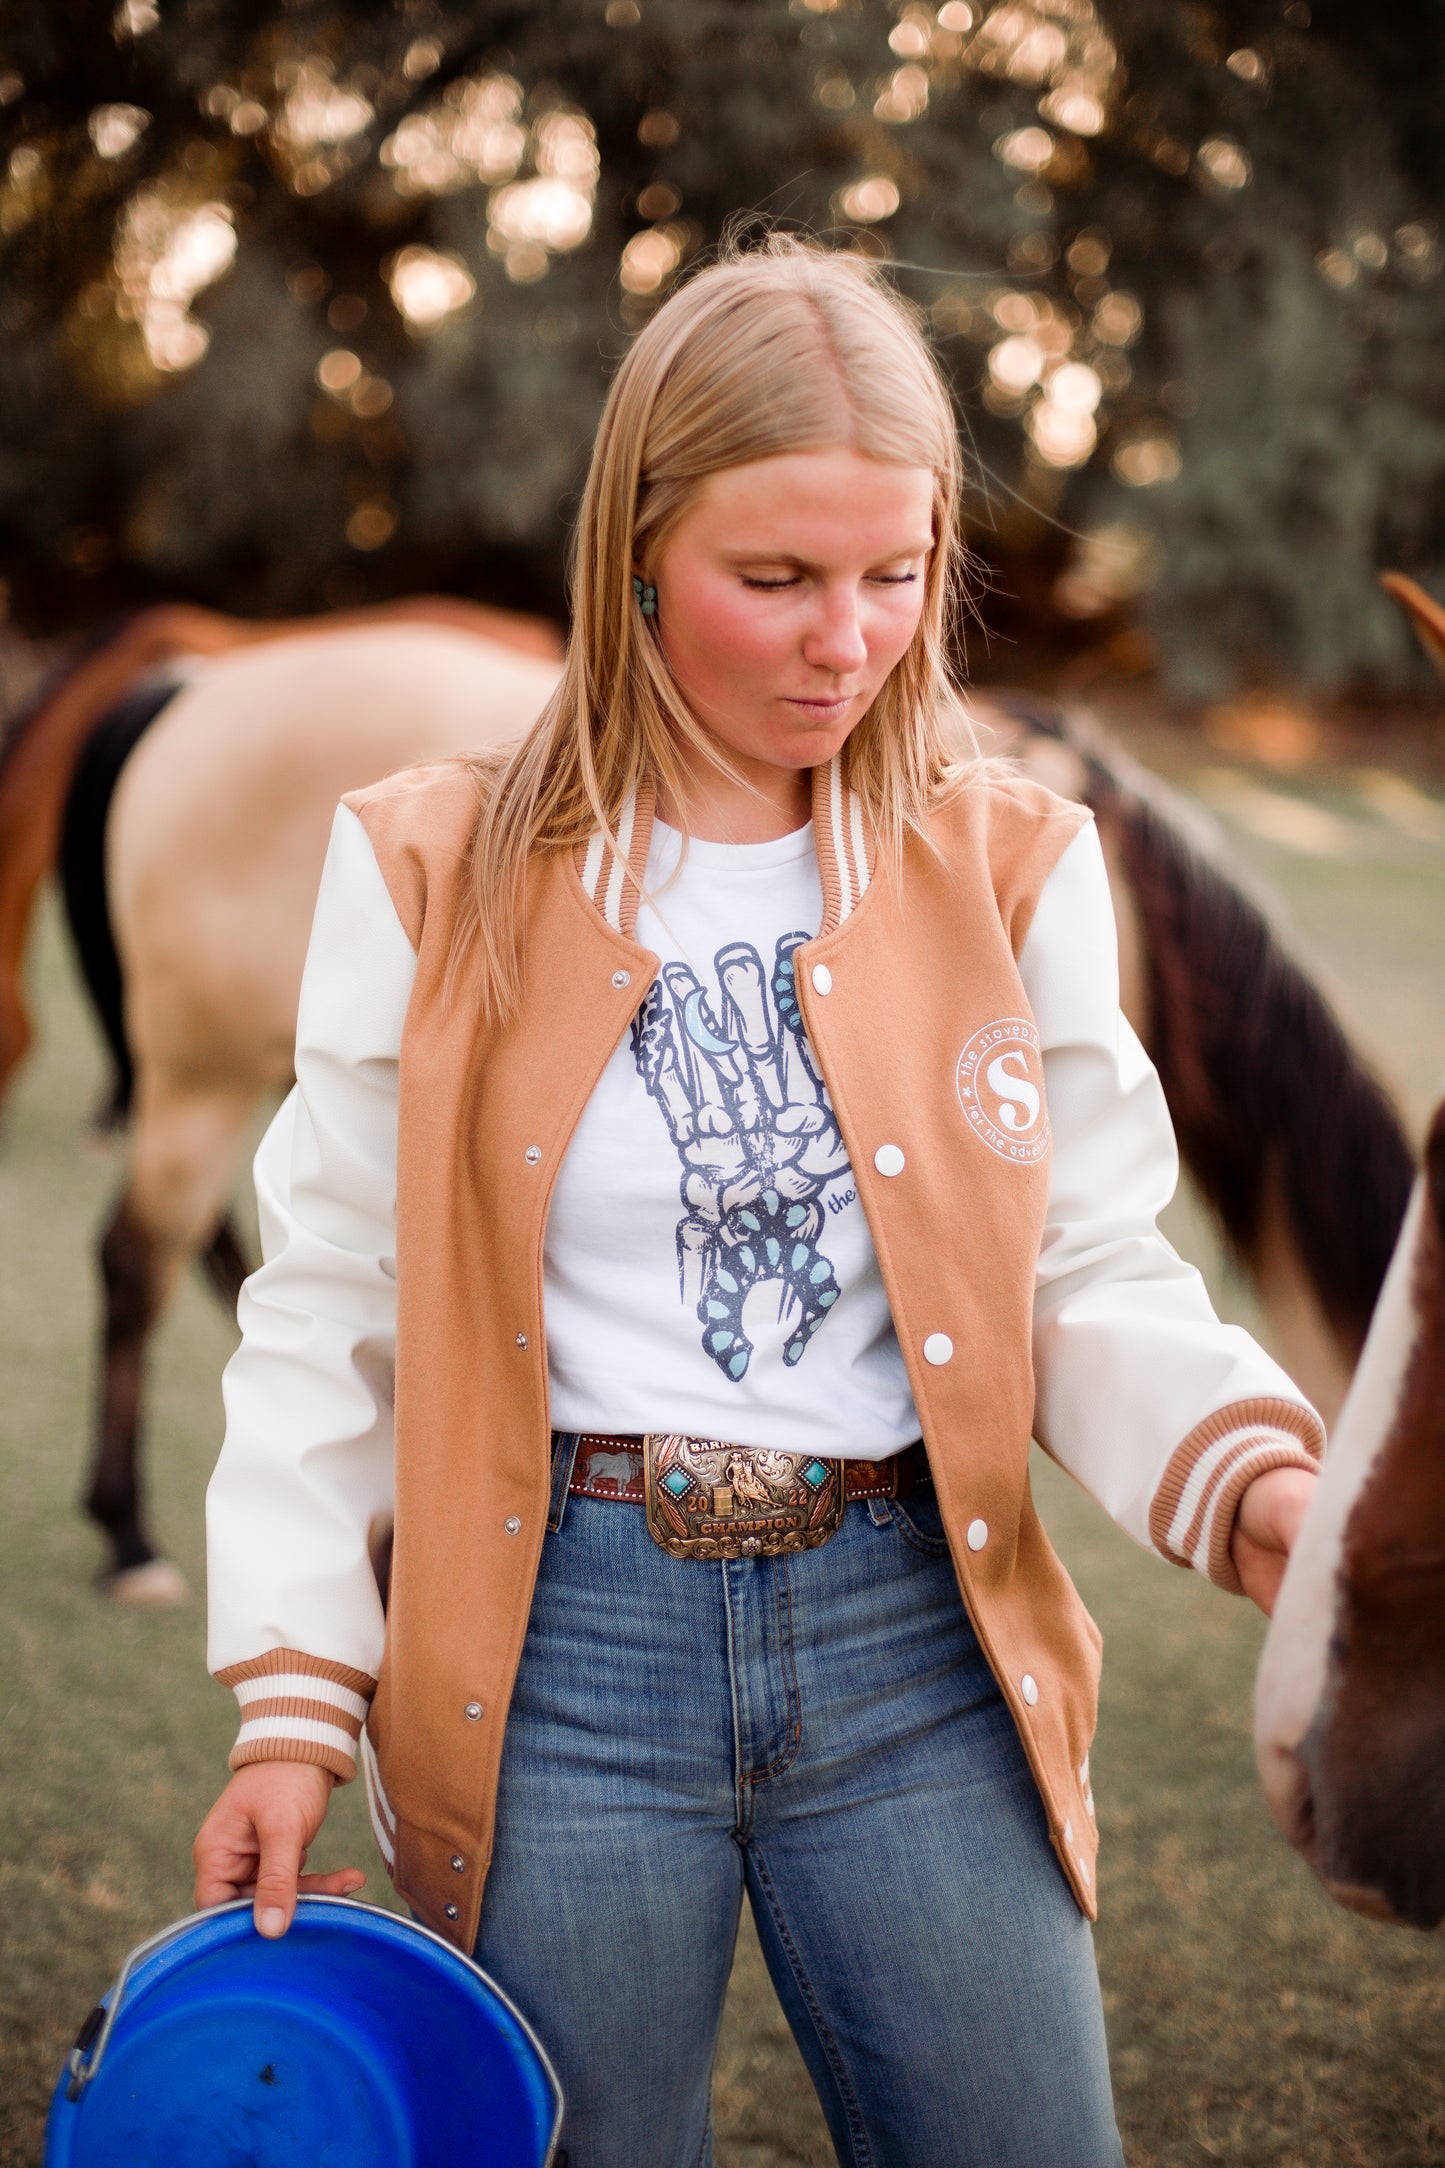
[299,1708]
[1192,1518]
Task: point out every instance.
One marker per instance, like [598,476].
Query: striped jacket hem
[299,1708]
[1192,1517]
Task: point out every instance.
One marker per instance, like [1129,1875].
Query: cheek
[712,636]
[892,629]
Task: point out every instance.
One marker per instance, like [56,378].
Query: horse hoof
[155,1586]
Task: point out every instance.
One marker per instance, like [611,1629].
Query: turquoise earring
[647,596]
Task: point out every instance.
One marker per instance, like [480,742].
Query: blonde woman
[715,1150]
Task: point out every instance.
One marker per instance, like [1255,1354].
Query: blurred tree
[308,300]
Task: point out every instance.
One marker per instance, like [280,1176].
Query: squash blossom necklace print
[759,1144]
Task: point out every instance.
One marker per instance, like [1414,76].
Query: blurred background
[305,305]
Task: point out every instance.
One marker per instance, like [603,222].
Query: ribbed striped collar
[842,837]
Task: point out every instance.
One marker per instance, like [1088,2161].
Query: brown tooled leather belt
[705,1498]
[610,1465]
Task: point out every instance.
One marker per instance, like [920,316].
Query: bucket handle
[93,2038]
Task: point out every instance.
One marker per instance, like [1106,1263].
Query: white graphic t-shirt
[708,1267]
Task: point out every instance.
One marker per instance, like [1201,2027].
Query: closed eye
[878,579]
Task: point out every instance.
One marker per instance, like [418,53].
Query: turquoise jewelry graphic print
[749,1117]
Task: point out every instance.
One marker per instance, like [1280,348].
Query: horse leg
[184,1153]
[225,1263]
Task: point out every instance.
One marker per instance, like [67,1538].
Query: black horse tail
[81,867]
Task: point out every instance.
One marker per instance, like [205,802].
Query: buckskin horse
[190,826]
[184,777]
[1350,1698]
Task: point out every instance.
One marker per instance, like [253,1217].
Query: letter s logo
[1000,1082]
[1015,1092]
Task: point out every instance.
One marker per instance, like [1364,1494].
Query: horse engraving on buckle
[706,1499]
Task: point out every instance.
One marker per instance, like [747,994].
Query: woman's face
[786,593]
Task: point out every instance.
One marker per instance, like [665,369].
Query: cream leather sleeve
[1164,1414]
[305,1473]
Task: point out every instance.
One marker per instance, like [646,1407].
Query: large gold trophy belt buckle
[706,1499]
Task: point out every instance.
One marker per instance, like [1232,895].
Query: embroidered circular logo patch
[1000,1083]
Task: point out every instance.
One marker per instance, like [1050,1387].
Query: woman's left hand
[1265,1527]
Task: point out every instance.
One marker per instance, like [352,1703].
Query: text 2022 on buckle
[706,1499]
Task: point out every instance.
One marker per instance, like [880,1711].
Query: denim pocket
[919,1522]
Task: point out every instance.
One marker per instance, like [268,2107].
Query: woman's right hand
[253,1842]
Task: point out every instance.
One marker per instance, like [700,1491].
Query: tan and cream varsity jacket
[394,1355]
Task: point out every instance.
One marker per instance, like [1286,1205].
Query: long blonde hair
[790,347]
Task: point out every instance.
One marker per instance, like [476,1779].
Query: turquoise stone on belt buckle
[706,1499]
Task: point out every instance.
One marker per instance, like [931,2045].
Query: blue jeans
[824,1731]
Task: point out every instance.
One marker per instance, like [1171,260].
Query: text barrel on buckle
[707,1499]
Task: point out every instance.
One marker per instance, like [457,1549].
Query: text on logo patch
[1000,1081]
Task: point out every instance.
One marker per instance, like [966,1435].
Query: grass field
[1251,2022]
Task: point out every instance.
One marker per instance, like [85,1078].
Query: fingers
[344,1882]
[277,1882]
[226,1855]
[253,1842]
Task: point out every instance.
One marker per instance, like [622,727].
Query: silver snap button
[512,1525]
[822,979]
[1029,1688]
[473,1712]
[977,1535]
[888,1159]
[453,1912]
[621,979]
[532,1154]
[937,1349]
[521,1339]
[459,1865]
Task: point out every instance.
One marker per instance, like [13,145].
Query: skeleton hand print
[750,1119]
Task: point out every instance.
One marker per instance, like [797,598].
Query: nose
[835,641]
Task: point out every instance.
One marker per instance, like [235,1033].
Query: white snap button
[621,979]
[453,1912]
[1083,1865]
[822,979]
[1068,1832]
[521,1339]
[977,1535]
[1029,1688]
[888,1159]
[473,1712]
[938,1348]
[532,1154]
[512,1525]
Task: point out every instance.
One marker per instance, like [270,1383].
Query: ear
[1423,611]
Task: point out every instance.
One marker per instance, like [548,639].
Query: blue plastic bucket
[357,2039]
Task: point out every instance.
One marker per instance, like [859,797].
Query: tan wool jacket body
[912,1001]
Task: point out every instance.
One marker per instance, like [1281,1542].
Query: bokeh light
[1143,461]
[428,285]
[166,253]
[870,199]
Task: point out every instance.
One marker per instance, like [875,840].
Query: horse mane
[1271,1102]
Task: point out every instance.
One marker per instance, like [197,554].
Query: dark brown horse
[1350,1704]
[1295,1146]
